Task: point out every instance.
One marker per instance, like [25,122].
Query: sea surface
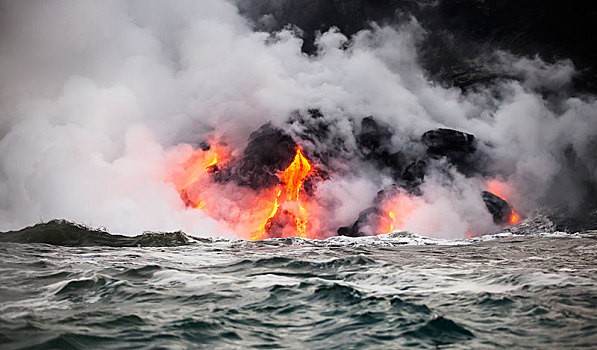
[509,290]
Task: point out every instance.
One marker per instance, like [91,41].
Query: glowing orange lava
[514,218]
[386,223]
[282,210]
[296,173]
[199,164]
[504,191]
[192,174]
[292,178]
[268,221]
[397,211]
[393,217]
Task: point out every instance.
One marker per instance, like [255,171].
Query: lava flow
[209,181]
[293,219]
[193,171]
[281,210]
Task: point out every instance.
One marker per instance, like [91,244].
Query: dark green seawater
[393,291]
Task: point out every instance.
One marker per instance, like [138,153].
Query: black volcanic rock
[414,175]
[323,138]
[64,233]
[269,151]
[374,137]
[457,146]
[574,221]
[366,224]
[499,208]
[313,128]
[375,142]
[446,141]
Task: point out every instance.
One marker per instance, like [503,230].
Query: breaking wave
[397,290]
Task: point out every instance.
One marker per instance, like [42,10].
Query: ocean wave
[66,233]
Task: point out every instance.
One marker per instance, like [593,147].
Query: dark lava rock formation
[457,146]
[64,233]
[450,143]
[499,208]
[375,143]
[269,151]
[366,224]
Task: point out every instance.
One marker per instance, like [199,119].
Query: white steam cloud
[98,99]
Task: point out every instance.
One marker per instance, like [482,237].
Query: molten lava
[201,163]
[393,218]
[280,211]
[284,209]
[268,222]
[294,207]
[397,211]
[191,175]
[294,176]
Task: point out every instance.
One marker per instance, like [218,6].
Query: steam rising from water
[100,100]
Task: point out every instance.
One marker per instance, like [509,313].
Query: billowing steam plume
[150,115]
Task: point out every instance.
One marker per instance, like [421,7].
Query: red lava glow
[292,179]
[294,176]
[514,218]
[397,211]
[281,211]
[499,188]
[194,171]
[401,210]
[285,209]
[504,191]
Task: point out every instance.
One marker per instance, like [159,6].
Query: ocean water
[398,290]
